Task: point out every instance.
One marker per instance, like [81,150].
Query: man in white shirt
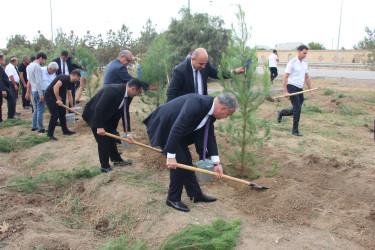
[12,72]
[273,59]
[35,76]
[296,74]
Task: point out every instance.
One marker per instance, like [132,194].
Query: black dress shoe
[42,130]
[34,129]
[279,117]
[123,162]
[26,107]
[17,114]
[203,198]
[106,170]
[178,205]
[13,118]
[52,138]
[69,133]
[297,133]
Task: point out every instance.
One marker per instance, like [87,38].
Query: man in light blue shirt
[49,73]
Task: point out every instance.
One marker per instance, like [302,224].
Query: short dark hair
[32,59]
[13,59]
[135,82]
[302,47]
[1,57]
[64,53]
[274,51]
[76,72]
[41,55]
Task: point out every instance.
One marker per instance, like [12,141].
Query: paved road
[369,75]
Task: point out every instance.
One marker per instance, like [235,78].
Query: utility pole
[338,39]
[50,6]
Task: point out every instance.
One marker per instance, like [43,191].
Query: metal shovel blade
[256,186]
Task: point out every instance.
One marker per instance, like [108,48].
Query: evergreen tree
[194,31]
[368,43]
[155,69]
[88,63]
[246,131]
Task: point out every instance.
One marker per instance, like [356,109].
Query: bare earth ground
[322,198]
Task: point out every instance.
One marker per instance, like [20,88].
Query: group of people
[187,118]
[41,86]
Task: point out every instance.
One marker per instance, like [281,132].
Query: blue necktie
[196,82]
[206,137]
[125,116]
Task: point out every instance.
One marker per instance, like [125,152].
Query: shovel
[251,184]
[296,93]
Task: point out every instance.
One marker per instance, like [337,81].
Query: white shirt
[62,67]
[47,77]
[35,77]
[10,70]
[272,60]
[214,158]
[123,100]
[297,71]
[199,77]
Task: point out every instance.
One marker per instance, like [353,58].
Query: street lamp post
[50,6]
[338,39]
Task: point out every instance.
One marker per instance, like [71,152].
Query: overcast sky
[272,21]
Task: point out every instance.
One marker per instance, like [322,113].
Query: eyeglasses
[129,60]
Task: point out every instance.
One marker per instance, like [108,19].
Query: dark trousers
[10,104]
[56,112]
[24,101]
[296,101]
[273,73]
[180,178]
[14,93]
[107,149]
[73,95]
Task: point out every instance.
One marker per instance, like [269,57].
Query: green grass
[8,144]
[219,235]
[310,109]
[57,178]
[142,178]
[39,160]
[341,95]
[125,220]
[273,171]
[346,111]
[12,123]
[123,242]
[328,91]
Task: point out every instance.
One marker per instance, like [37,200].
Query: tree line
[187,32]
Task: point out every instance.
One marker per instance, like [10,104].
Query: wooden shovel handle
[178,164]
[70,109]
[296,93]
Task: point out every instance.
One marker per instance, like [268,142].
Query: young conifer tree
[155,70]
[246,132]
[89,63]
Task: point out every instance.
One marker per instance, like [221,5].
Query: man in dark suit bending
[179,123]
[103,112]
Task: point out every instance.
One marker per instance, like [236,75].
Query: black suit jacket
[69,63]
[4,80]
[174,123]
[102,110]
[182,81]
